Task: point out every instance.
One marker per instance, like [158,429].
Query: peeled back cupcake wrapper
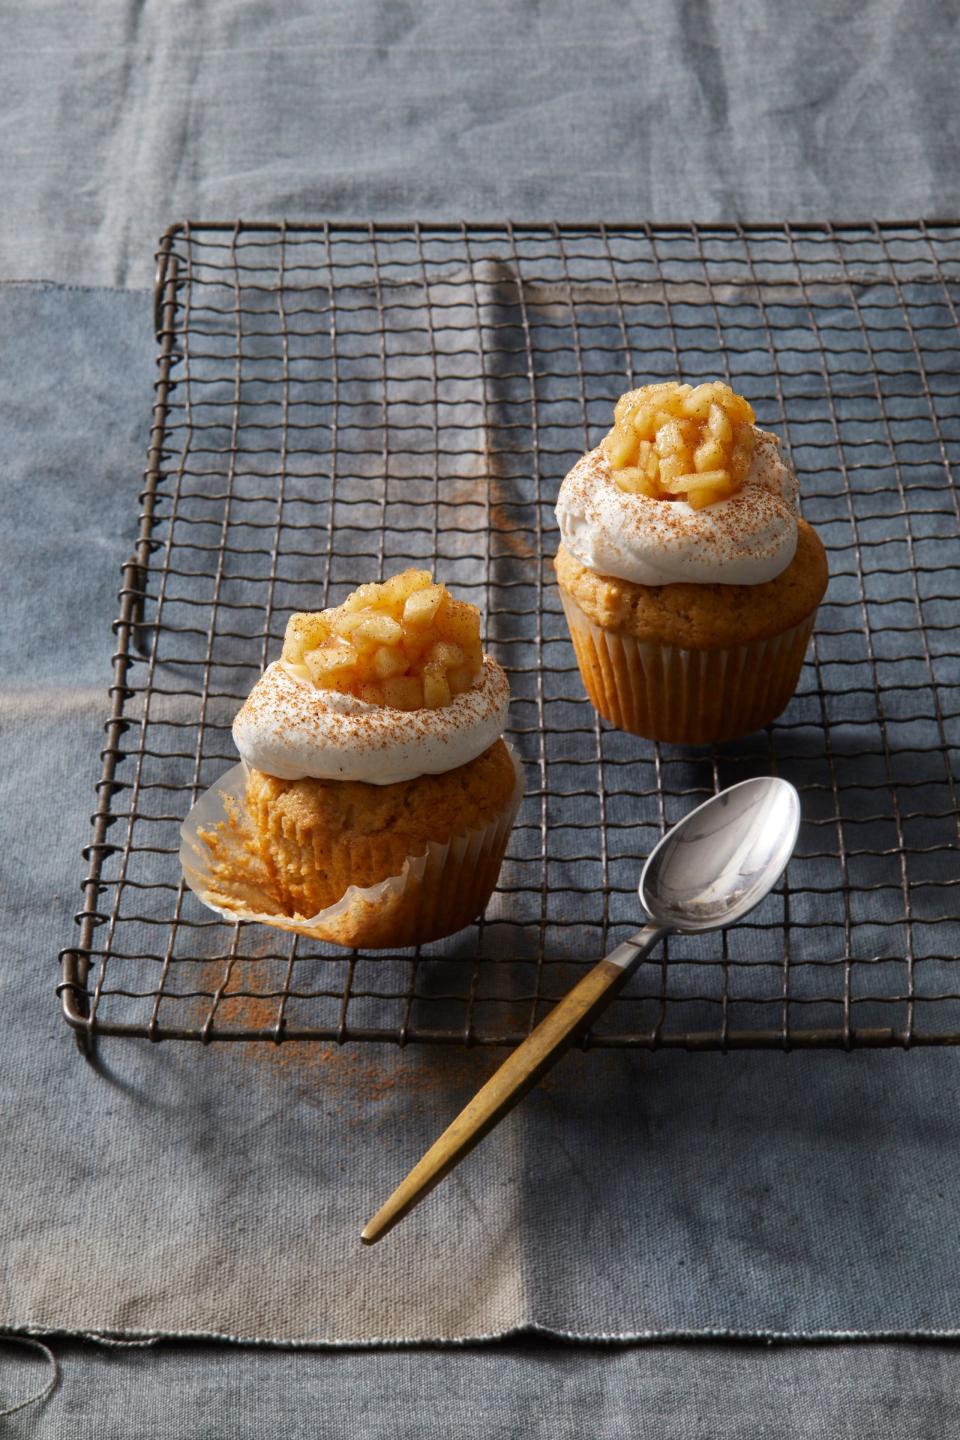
[686,696]
[435,893]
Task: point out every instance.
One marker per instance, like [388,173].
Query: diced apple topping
[680,442]
[406,644]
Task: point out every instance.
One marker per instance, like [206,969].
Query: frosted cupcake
[689,581]
[378,794]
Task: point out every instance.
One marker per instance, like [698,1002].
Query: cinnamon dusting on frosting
[291,730]
[747,538]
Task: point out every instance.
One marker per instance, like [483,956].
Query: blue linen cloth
[219,1192]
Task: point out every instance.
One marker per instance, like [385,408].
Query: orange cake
[374,759]
[689,582]
[320,836]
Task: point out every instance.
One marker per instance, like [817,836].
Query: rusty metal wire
[336,401]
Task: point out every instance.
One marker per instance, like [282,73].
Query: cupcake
[689,582]
[377,794]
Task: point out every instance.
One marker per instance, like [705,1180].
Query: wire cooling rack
[338,401]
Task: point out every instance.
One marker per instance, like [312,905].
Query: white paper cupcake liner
[435,893]
[686,696]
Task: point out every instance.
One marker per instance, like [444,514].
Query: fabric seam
[533,1331]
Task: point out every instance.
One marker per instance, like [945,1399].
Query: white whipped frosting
[292,730]
[746,539]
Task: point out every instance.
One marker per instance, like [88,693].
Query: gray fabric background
[121,116]
[114,123]
[535,1391]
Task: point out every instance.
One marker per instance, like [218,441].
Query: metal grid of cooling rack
[337,401]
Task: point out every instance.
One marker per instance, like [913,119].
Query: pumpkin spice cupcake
[689,582]
[377,795]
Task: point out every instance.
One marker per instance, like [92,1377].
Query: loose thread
[51,1384]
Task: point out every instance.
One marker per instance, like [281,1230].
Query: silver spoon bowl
[723,858]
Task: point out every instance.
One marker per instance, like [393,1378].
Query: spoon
[706,873]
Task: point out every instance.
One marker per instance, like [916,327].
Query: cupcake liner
[686,696]
[433,895]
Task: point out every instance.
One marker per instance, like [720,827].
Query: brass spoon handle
[565,1023]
